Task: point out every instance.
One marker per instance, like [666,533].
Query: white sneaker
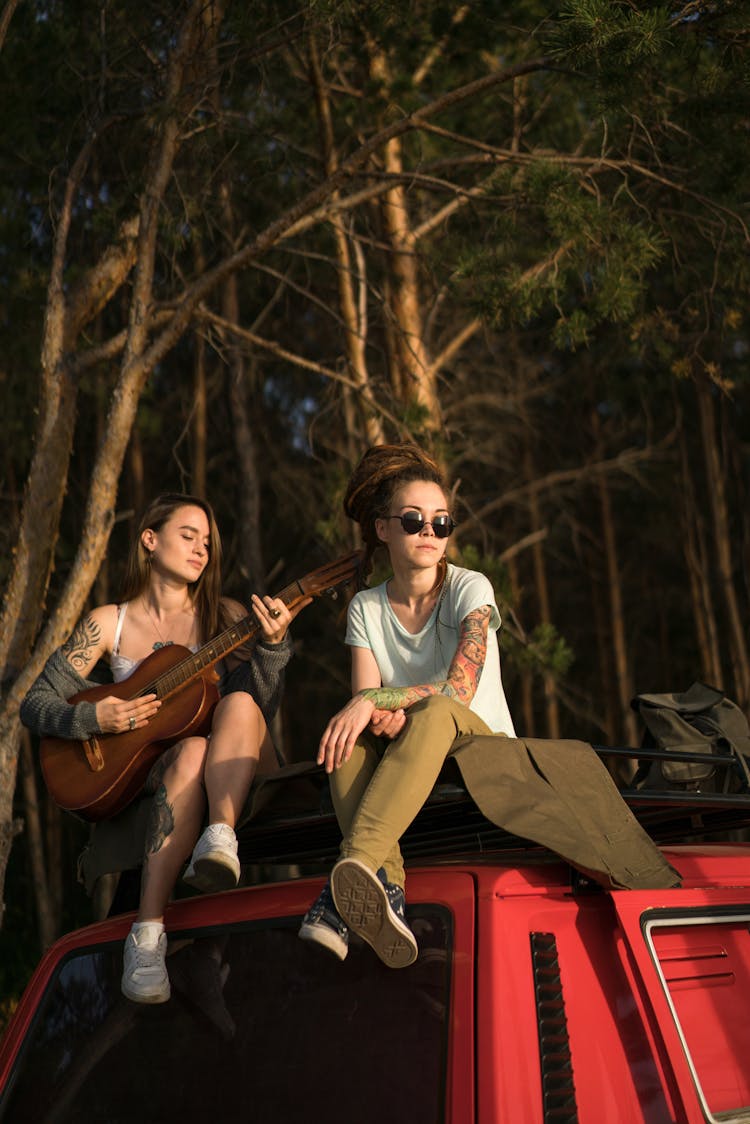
[144,973]
[214,864]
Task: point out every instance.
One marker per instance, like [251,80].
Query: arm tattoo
[160,821]
[78,648]
[464,672]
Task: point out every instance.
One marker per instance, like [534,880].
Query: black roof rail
[293,823]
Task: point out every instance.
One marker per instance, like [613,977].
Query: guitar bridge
[93,755]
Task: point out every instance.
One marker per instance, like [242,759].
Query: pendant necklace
[161,642]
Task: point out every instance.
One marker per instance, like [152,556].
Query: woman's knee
[189,758]
[434,706]
[239,711]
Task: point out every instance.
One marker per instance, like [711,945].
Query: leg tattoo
[160,822]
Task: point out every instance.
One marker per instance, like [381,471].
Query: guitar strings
[333,573]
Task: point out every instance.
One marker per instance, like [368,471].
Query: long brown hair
[380,473]
[205,593]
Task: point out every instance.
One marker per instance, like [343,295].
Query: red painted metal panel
[691,951]
[705,965]
[616,1076]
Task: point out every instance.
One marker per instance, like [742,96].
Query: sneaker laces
[146,958]
[220,833]
[144,951]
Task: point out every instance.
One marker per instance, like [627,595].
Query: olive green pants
[381,788]
[556,793]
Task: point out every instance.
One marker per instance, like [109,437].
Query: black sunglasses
[413,522]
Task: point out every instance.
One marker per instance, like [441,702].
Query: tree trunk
[353,312]
[199,420]
[541,585]
[526,726]
[628,727]
[722,537]
[6,16]
[696,561]
[415,376]
[414,379]
[44,493]
[34,840]
[9,827]
[609,693]
[53,833]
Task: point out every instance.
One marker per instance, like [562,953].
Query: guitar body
[123,761]
[97,778]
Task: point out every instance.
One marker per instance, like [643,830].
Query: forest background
[240,242]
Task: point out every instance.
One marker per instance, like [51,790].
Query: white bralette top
[120,666]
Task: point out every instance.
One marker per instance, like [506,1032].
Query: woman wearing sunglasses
[425,672]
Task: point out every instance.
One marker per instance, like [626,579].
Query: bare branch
[623,462]
[5,17]
[306,364]
[310,208]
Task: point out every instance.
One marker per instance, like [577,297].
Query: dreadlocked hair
[381,471]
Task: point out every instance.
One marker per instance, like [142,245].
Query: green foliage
[492,568]
[545,651]
[614,32]
[589,259]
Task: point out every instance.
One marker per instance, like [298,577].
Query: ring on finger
[131,722]
[274,613]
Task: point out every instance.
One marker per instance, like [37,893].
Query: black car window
[261,1027]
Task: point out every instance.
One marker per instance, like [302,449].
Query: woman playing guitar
[172,595]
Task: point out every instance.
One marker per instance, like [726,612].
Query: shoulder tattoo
[78,648]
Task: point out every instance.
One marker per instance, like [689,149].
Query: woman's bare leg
[179,803]
[240,746]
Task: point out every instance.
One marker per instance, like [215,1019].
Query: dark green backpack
[699,720]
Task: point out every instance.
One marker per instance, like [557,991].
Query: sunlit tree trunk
[353,310]
[67,311]
[413,378]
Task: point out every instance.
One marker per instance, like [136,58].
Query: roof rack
[295,824]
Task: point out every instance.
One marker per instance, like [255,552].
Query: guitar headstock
[328,579]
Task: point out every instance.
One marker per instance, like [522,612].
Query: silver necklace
[161,642]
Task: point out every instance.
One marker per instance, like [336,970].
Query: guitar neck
[208,654]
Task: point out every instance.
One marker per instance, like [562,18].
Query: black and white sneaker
[323,925]
[375,910]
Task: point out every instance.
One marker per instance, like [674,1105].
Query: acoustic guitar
[99,777]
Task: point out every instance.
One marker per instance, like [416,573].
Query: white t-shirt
[406,659]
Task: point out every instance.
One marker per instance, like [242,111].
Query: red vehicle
[536,998]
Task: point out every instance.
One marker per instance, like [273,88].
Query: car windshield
[261,1026]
